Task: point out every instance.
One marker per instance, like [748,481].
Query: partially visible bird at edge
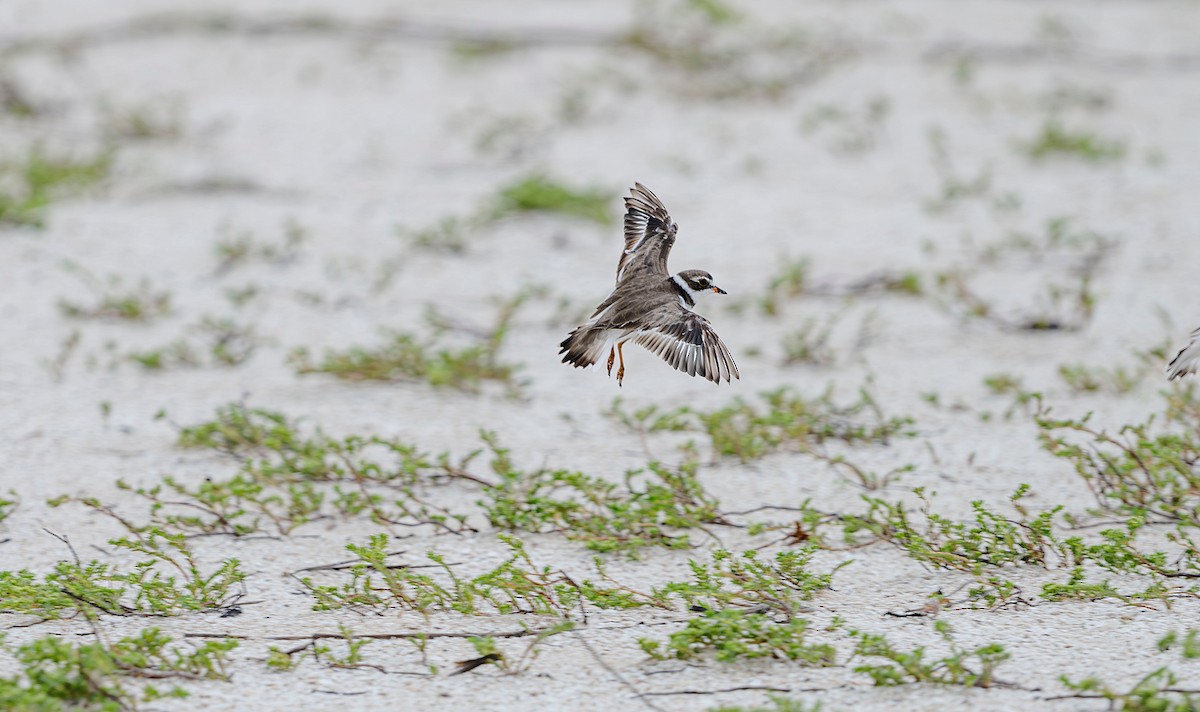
[1187,360]
[650,306]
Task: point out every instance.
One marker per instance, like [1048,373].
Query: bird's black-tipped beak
[718,290]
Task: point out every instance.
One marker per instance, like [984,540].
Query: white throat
[695,293]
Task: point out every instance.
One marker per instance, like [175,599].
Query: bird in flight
[1187,360]
[650,306]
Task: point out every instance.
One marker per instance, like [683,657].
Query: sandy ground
[352,135]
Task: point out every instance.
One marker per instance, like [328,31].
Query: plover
[1187,360]
[650,306]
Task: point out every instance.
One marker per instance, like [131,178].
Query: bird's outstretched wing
[649,234]
[690,345]
[1187,360]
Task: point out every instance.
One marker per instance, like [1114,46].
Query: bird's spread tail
[585,346]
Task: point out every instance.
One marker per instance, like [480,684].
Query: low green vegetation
[887,665]
[780,420]
[1159,690]
[517,585]
[142,303]
[238,248]
[790,281]
[849,131]
[1080,378]
[778,585]
[656,507]
[167,580]
[8,504]
[406,357]
[450,234]
[1064,258]
[732,635]
[538,193]
[212,343]
[707,51]
[151,121]
[810,344]
[28,185]
[1056,140]
[59,675]
[285,479]
[409,357]
[1144,470]
[775,703]
[490,653]
[783,420]
[322,654]
[990,540]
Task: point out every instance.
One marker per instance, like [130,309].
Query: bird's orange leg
[621,370]
[611,353]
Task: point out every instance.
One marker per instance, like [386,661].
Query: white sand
[351,138]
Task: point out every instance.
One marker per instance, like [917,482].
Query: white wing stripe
[709,358]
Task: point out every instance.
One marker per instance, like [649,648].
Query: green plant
[786,419]
[991,540]
[1060,246]
[703,50]
[968,667]
[778,703]
[1143,469]
[1156,691]
[1056,140]
[286,479]
[8,505]
[733,635]
[407,357]
[70,589]
[849,131]
[1064,307]
[1078,588]
[655,508]
[223,343]
[30,184]
[450,234]
[810,343]
[236,249]
[956,187]
[778,586]
[539,193]
[57,675]
[284,660]
[169,581]
[239,430]
[490,653]
[163,593]
[517,585]
[141,304]
[791,280]
[159,121]
[1084,379]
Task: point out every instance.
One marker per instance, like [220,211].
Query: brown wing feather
[690,345]
[649,233]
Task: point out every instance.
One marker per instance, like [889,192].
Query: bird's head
[697,282]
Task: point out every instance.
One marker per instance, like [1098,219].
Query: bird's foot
[620,375]
[612,353]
